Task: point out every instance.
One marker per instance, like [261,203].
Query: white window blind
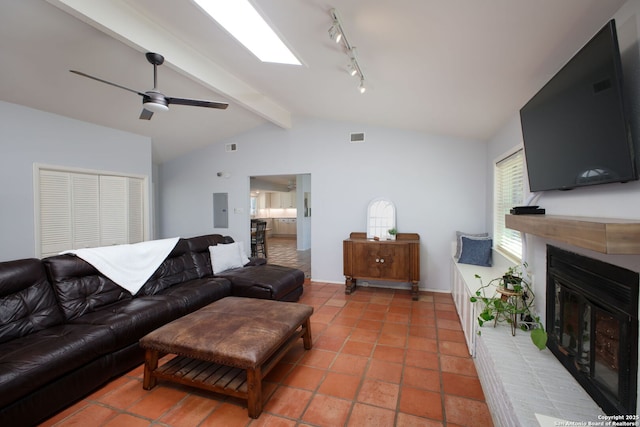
[79,210]
[508,192]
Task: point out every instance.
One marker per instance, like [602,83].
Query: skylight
[244,23]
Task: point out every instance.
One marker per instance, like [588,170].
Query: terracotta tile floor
[378,359]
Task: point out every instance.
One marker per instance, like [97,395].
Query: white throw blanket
[129,266]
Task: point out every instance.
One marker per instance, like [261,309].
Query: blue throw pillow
[476,251]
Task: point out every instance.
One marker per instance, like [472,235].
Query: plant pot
[511,282]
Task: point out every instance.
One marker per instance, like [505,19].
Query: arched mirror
[381,217]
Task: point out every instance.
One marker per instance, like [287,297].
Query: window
[508,192]
[80,209]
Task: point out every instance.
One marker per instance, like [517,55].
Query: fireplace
[592,321]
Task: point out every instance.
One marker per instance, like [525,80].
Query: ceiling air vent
[230,147]
[357,137]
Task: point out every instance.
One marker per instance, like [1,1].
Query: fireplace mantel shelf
[605,235]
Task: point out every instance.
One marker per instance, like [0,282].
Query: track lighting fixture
[336,32]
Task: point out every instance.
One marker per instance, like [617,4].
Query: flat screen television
[576,131]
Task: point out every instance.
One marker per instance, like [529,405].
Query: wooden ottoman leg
[150,364]
[254,392]
[306,335]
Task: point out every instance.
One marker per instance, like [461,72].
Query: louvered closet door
[113,210]
[81,210]
[85,204]
[135,209]
[55,212]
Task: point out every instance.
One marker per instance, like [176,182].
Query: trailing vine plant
[498,307]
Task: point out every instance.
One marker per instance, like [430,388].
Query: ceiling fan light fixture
[155,102]
[154,107]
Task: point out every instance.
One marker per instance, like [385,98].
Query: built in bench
[522,385]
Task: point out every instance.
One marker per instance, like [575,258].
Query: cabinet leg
[349,285]
[414,291]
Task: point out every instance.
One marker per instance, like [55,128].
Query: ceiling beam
[126,24]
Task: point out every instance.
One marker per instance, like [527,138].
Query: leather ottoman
[228,346]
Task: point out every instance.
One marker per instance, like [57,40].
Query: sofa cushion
[227,256]
[200,254]
[177,268]
[129,320]
[266,281]
[197,293]
[29,362]
[81,288]
[27,301]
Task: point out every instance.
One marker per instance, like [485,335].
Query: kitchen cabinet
[393,260]
[285,226]
[281,200]
[273,200]
[288,200]
[262,201]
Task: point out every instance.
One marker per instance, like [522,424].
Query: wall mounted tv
[575,129]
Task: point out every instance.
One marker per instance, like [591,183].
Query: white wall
[436,182]
[30,136]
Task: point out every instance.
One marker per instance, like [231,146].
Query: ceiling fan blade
[80,73]
[146,114]
[197,103]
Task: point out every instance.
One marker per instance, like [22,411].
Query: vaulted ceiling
[452,67]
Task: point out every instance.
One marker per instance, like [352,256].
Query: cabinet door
[273,200]
[285,200]
[395,265]
[261,203]
[364,260]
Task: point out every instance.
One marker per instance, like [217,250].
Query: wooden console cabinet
[394,260]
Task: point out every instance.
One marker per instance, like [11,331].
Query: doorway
[284,202]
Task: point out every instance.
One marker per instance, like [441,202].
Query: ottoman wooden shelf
[227,347]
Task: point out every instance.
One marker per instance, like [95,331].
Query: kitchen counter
[285,227]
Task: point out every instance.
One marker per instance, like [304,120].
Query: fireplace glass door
[590,336]
[592,321]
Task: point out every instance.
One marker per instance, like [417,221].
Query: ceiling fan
[153,101]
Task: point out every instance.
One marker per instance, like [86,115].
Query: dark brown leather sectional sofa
[65,329]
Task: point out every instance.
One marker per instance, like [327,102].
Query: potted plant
[507,299]
[392,233]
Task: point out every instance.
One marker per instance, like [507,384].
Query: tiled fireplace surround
[522,386]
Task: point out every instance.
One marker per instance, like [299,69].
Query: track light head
[352,69]
[334,32]
[362,86]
